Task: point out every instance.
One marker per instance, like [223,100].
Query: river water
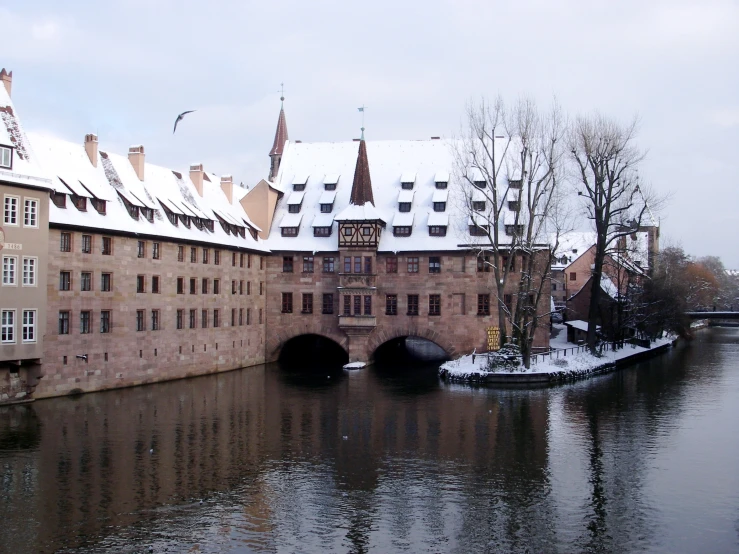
[265,460]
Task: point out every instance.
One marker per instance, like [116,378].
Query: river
[645,459]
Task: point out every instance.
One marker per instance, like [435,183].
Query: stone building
[369,243]
[24,230]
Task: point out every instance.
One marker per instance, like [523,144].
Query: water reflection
[380,459]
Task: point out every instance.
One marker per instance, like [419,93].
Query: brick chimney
[227,186]
[136,157]
[91,147]
[196,176]
[7,79]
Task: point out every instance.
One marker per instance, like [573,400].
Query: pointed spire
[280,134]
[362,187]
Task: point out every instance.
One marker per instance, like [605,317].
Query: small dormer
[6,156]
[326,201]
[330,181]
[515,183]
[299,182]
[405,200]
[514,230]
[477,178]
[439,200]
[441,179]
[478,226]
[295,201]
[408,180]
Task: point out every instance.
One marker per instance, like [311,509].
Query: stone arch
[384,334]
[277,340]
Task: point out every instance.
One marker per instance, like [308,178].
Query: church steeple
[362,187]
[280,139]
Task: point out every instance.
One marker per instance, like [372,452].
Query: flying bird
[179,118]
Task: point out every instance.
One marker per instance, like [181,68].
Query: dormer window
[441,179]
[148,213]
[407,180]
[321,231]
[99,205]
[330,181]
[293,208]
[512,230]
[439,206]
[172,217]
[59,199]
[295,202]
[6,157]
[404,206]
[478,230]
[479,184]
[407,186]
[289,231]
[330,186]
[80,202]
[326,208]
[437,230]
[185,220]
[514,205]
[196,221]
[133,211]
[441,184]
[478,205]
[299,183]
[515,183]
[208,223]
[402,231]
[298,187]
[253,233]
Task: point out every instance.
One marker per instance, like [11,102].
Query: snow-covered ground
[574,364]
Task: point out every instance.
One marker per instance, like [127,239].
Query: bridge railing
[564,352]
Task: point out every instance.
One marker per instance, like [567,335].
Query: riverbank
[553,369]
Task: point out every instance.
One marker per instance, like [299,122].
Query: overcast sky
[126,69]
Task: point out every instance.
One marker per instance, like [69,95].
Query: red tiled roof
[362,187]
[280,135]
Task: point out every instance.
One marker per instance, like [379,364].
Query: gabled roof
[280,135]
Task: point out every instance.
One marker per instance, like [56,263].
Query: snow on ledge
[355,365]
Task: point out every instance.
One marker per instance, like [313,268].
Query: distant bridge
[712,315]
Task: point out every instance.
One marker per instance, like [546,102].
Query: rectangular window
[307,264]
[391,304]
[434,304]
[357,264]
[328,304]
[287,302]
[261,316]
[437,230]
[233,259]
[86,281]
[10,210]
[347,264]
[142,249]
[573,276]
[233,317]
[261,288]
[434,264]
[241,316]
[441,184]
[328,265]
[261,262]
[155,284]
[439,206]
[86,244]
[65,280]
[326,208]
[368,264]
[64,323]
[30,212]
[287,264]
[192,319]
[206,255]
[140,283]
[216,286]
[483,264]
[391,264]
[404,206]
[293,208]
[193,255]
[6,157]
[9,270]
[180,319]
[508,301]
[412,265]
[107,246]
[483,304]
[204,319]
[216,318]
[204,287]
[217,257]
[180,253]
[66,242]
[412,304]
[402,231]
[155,320]
[307,303]
[241,260]
[368,305]
[248,261]
[105,282]
[357,304]
[248,288]
[155,250]
[180,285]
[241,287]
[233,286]
[140,315]
[193,285]
[347,305]
[85,320]
[478,206]
[105,321]
[7,326]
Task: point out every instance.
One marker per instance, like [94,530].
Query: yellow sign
[493,338]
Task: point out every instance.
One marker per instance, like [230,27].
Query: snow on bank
[551,368]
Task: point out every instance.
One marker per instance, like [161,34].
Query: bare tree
[509,164]
[605,161]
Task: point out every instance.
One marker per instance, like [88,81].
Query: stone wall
[458,329]
[125,356]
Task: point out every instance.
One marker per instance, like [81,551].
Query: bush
[508,358]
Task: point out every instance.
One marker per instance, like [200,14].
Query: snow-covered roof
[115,181]
[408,177]
[438,218]
[291,220]
[327,197]
[580,325]
[403,219]
[300,179]
[296,198]
[608,287]
[331,179]
[422,162]
[571,246]
[323,220]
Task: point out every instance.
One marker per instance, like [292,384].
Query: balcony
[357,280]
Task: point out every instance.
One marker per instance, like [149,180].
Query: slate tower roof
[362,187]
[280,135]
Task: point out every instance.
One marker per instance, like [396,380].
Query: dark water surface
[262,460]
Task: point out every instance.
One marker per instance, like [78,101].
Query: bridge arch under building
[409,343]
[307,342]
